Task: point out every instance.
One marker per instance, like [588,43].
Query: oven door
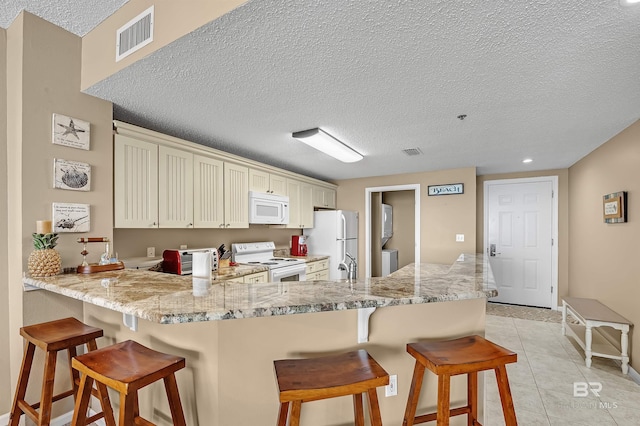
[289,273]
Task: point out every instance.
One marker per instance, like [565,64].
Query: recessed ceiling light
[629,2]
[527,160]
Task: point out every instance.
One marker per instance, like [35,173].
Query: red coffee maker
[298,245]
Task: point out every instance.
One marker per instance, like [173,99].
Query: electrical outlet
[183,246]
[392,388]
[151,252]
[460,238]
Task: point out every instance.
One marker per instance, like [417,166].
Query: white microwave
[268,208]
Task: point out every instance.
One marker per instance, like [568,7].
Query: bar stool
[127,367]
[466,355]
[312,379]
[52,337]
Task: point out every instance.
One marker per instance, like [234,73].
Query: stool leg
[444,396]
[103,393]
[505,396]
[414,395]
[296,408]
[358,411]
[82,401]
[175,405]
[472,398]
[46,398]
[283,414]
[127,408]
[374,408]
[75,376]
[23,380]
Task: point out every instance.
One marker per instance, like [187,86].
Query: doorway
[521,229]
[407,200]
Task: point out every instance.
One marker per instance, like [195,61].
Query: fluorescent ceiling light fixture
[323,141]
[527,160]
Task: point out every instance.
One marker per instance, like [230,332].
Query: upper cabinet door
[278,184]
[208,192]
[236,196]
[175,188]
[135,183]
[258,181]
[261,181]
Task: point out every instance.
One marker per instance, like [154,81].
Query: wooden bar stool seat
[52,337]
[127,367]
[312,379]
[466,355]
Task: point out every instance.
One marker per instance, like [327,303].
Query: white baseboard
[634,375]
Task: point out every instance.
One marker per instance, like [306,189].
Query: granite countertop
[168,299]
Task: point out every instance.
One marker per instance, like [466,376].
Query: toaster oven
[180,262]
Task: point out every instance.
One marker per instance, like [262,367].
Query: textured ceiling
[76,16]
[547,79]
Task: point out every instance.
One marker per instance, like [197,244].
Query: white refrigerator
[334,233]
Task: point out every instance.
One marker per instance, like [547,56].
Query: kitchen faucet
[351,268]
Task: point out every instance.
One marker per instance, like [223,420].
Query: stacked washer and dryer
[389,256]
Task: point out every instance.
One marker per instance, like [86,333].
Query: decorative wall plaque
[614,207]
[449,189]
[71,132]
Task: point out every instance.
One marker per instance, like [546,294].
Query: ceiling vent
[412,151]
[135,34]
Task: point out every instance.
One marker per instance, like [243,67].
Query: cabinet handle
[190,225]
[228,225]
[154,224]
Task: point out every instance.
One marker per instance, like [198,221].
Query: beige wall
[5,374]
[230,363]
[603,257]
[134,242]
[172,20]
[43,77]
[441,217]
[563,218]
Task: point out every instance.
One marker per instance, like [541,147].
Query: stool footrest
[453,412]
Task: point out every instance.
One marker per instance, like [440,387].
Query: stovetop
[261,254]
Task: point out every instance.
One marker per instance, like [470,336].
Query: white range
[261,253]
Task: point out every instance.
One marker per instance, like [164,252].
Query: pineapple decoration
[44,261]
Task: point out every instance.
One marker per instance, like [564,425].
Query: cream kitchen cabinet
[324,197]
[175,188]
[258,277]
[318,270]
[300,204]
[255,278]
[261,181]
[153,185]
[236,195]
[220,194]
[208,192]
[135,183]
[157,186]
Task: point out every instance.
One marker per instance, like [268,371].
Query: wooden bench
[591,314]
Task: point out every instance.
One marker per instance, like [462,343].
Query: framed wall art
[614,207]
[68,217]
[72,175]
[71,132]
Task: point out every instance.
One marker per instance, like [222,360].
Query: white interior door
[519,235]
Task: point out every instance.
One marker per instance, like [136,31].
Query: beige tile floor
[542,381]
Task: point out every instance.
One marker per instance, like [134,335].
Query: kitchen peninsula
[231,332]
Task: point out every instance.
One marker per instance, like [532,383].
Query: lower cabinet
[318,270]
[258,277]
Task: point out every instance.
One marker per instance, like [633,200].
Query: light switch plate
[460,238]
